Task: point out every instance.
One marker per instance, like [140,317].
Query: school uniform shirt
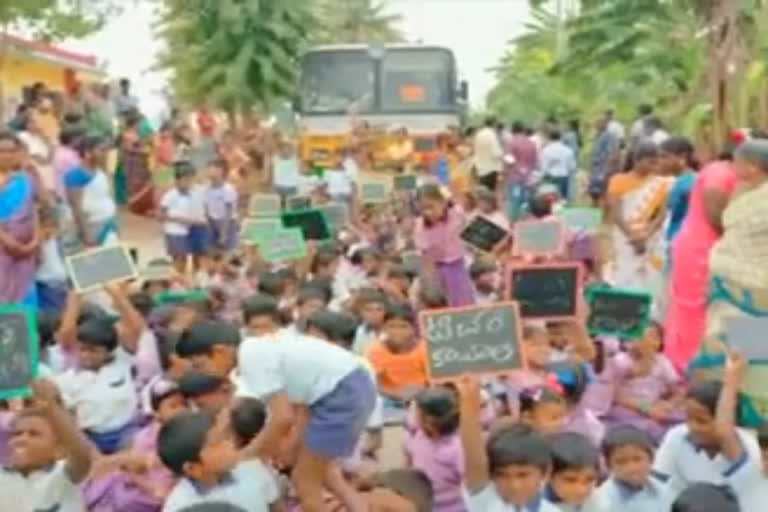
[250,485]
[441,240]
[48,489]
[104,400]
[306,184]
[488,500]
[681,462]
[286,172]
[219,199]
[305,368]
[616,495]
[197,195]
[177,204]
[592,504]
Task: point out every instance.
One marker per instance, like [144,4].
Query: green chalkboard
[336,215]
[96,267]
[18,351]
[264,205]
[586,220]
[538,237]
[547,291]
[285,244]
[374,192]
[618,312]
[406,182]
[252,229]
[312,222]
[298,203]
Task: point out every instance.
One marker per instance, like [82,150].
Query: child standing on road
[221,208]
[178,215]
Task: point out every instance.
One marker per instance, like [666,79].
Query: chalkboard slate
[252,229]
[585,220]
[336,215]
[18,351]
[264,205]
[282,245]
[616,312]
[96,267]
[538,237]
[405,182]
[298,203]
[312,223]
[476,340]
[483,234]
[412,261]
[747,335]
[549,291]
[374,191]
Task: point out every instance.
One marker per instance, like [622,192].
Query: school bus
[407,85]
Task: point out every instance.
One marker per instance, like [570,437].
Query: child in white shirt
[179,214]
[37,478]
[101,390]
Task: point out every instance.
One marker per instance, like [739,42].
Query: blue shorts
[338,419]
[198,240]
[177,246]
[231,241]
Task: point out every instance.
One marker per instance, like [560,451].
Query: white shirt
[305,368]
[659,136]
[286,171]
[307,183]
[98,204]
[488,500]
[682,463]
[51,267]
[197,194]
[557,160]
[43,490]
[217,199]
[616,129]
[612,495]
[488,152]
[250,485]
[177,204]
[103,400]
[341,182]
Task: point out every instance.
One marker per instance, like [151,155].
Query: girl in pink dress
[690,261]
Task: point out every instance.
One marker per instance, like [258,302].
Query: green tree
[233,54]
[355,21]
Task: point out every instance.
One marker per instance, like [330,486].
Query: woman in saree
[689,279]
[737,264]
[20,235]
[637,206]
[133,178]
[93,211]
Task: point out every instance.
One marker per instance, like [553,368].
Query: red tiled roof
[54,51]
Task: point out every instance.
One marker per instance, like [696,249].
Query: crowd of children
[234,384]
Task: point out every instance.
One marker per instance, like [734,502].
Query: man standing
[124,101]
[522,160]
[602,157]
[488,154]
[558,162]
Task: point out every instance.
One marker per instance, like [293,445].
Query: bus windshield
[417,80]
[336,81]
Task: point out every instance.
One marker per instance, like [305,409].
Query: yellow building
[26,62]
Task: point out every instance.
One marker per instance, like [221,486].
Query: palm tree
[356,21]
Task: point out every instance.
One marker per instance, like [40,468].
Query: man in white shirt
[488,154]
[558,163]
[615,128]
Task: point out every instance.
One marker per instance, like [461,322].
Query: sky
[476,30]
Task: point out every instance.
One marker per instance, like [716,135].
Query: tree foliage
[700,62]
[56,19]
[355,21]
[233,54]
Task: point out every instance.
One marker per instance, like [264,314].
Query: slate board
[264,205]
[18,351]
[618,312]
[412,261]
[406,182]
[298,203]
[336,215]
[312,222]
[749,335]
[96,267]
[374,191]
[548,291]
[585,220]
[538,237]
[483,234]
[253,228]
[282,245]
[477,340]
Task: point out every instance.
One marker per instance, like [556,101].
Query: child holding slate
[438,236]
